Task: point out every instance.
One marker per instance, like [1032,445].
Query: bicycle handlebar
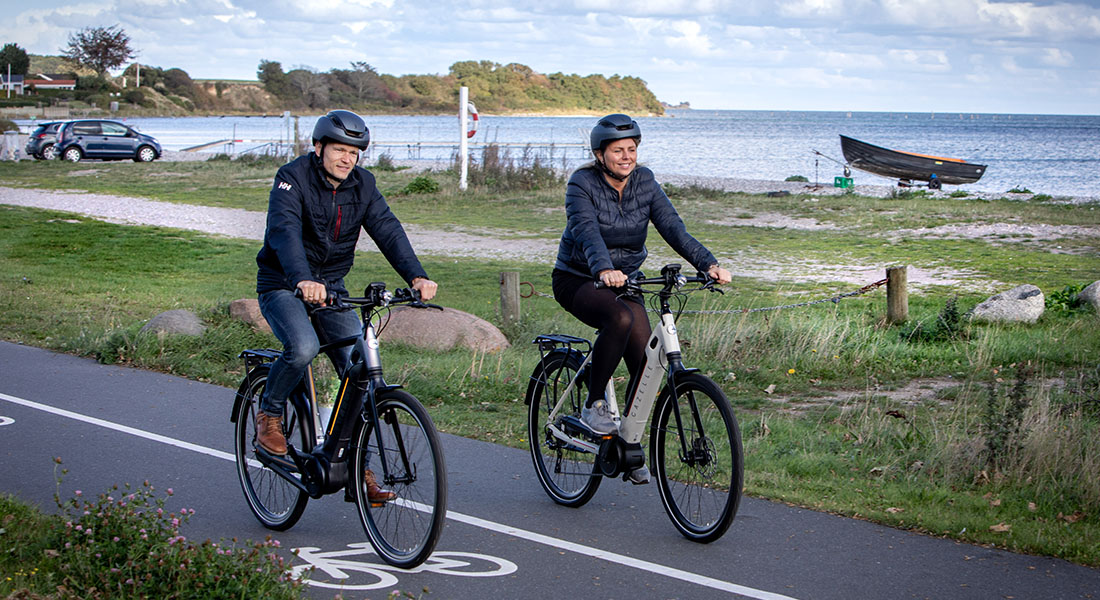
[374,296]
[669,279]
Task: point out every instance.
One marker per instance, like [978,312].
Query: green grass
[811,385]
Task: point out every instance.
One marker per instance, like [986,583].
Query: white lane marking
[531,536]
[6,421]
[122,428]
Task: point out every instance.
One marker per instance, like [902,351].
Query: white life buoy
[473,119]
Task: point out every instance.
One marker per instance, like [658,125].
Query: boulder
[183,322]
[1091,296]
[1023,304]
[248,310]
[441,330]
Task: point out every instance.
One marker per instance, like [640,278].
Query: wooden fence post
[897,295]
[509,296]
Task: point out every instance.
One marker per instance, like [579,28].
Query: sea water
[1057,155]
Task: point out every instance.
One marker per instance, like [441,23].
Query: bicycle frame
[359,386]
[662,354]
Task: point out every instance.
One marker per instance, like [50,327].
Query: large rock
[1023,304]
[1091,296]
[248,310]
[441,330]
[183,322]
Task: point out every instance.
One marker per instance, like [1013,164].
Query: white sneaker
[639,476]
[598,418]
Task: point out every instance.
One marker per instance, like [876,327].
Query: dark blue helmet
[614,127]
[342,127]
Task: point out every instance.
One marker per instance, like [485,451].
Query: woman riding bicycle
[609,204]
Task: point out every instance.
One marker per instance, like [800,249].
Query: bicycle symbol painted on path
[338,567]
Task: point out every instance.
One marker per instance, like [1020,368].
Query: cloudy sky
[977,56]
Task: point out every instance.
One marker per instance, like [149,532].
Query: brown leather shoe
[374,492]
[269,433]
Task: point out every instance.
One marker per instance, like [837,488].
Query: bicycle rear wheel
[403,531]
[567,473]
[697,458]
[276,502]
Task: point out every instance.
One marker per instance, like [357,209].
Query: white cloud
[1056,57]
[924,60]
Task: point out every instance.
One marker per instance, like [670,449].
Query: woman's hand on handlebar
[313,292]
[425,286]
[613,278]
[719,274]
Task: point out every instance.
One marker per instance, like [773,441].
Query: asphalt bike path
[504,537]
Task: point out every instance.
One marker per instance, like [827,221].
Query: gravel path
[245,224]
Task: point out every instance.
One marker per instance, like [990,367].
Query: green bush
[1065,299]
[497,169]
[385,163]
[6,125]
[797,178]
[125,544]
[421,185]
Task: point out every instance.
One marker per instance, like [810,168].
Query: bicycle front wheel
[566,472]
[695,450]
[277,503]
[404,530]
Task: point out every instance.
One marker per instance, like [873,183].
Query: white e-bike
[694,440]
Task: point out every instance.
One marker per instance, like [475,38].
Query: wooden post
[509,296]
[897,296]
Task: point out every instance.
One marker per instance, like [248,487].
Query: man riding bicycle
[318,204]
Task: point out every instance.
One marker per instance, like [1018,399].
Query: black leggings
[622,323]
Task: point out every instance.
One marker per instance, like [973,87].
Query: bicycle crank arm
[575,442]
[279,465]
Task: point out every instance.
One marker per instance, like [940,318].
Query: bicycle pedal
[576,427]
[284,461]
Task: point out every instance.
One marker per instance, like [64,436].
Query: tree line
[493,87]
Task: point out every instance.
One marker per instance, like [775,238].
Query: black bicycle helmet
[342,127]
[615,127]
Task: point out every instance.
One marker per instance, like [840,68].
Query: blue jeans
[301,342]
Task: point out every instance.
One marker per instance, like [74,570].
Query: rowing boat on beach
[909,166]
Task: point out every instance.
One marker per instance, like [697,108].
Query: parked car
[107,140]
[42,142]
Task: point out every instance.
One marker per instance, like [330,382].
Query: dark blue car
[107,140]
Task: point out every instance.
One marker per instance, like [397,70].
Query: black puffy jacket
[604,232]
[312,227]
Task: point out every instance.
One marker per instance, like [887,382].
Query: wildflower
[790,371]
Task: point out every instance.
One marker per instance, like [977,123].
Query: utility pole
[464,158]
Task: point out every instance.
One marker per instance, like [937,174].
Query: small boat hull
[907,166]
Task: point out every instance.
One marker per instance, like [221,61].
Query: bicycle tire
[569,475]
[275,502]
[700,490]
[403,531]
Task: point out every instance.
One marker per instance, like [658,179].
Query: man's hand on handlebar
[313,292]
[426,287]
